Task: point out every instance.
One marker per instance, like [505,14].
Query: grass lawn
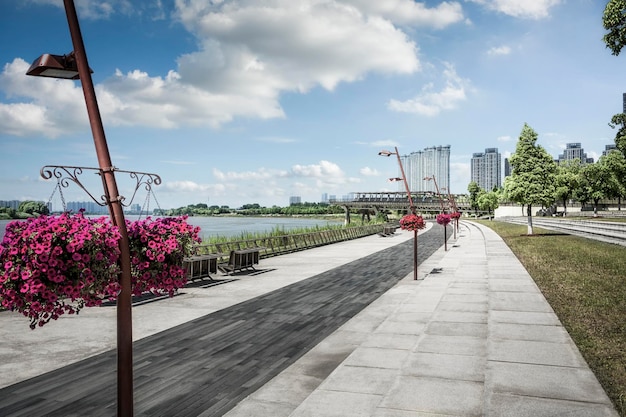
[585,283]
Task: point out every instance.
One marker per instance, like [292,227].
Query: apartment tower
[431,162]
[486,169]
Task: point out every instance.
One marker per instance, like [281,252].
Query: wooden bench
[388,231]
[241,259]
[201,266]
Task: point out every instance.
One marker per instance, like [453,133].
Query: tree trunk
[530,219]
[564,207]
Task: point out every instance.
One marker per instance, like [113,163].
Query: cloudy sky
[254,101]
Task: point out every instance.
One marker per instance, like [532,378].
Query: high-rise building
[295,200]
[574,151]
[608,149]
[624,103]
[486,169]
[431,162]
[507,167]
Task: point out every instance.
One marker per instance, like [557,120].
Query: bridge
[425,202]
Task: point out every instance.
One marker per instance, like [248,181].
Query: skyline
[234,103]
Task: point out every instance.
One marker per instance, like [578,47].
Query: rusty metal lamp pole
[411,205]
[443,210]
[75,66]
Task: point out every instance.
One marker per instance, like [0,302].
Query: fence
[279,245]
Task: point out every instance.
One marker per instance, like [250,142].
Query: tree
[474,190]
[567,180]
[533,178]
[488,201]
[33,207]
[596,183]
[614,20]
[619,120]
[616,164]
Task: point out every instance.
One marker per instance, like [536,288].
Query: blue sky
[254,101]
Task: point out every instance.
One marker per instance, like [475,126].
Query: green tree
[33,207]
[488,201]
[614,20]
[596,183]
[474,191]
[619,121]
[616,164]
[567,180]
[533,177]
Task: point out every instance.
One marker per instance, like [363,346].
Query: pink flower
[412,222]
[443,219]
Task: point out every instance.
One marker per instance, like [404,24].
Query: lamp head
[55,66]
[385,153]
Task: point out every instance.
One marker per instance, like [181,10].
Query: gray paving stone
[324,403]
[561,383]
[436,365]
[377,357]
[434,395]
[519,301]
[453,345]
[522,317]
[359,380]
[540,333]
[506,405]
[535,352]
[449,328]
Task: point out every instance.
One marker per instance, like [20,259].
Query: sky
[255,101]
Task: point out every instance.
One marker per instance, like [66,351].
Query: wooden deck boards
[206,366]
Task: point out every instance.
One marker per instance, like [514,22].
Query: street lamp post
[75,66]
[443,210]
[411,205]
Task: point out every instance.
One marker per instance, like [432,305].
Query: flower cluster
[456,215]
[412,222]
[55,265]
[443,219]
[157,249]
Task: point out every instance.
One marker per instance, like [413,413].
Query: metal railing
[279,245]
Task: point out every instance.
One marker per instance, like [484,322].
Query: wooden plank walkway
[206,366]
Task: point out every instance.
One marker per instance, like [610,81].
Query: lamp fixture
[55,66]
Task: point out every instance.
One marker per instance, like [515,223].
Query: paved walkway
[472,337]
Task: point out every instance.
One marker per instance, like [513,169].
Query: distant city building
[507,167]
[486,169]
[325,198]
[574,151]
[89,207]
[14,204]
[608,149]
[295,200]
[433,161]
[624,103]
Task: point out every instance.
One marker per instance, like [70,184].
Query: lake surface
[234,226]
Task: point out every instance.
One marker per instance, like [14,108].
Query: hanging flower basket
[157,249]
[443,219]
[456,215]
[412,222]
[54,265]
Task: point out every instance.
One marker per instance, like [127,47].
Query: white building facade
[486,169]
[431,162]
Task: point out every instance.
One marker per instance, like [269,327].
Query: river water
[234,226]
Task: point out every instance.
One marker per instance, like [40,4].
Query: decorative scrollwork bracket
[65,175]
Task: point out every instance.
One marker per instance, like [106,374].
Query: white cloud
[504,138]
[55,106]
[411,12]
[369,172]
[528,9]
[499,50]
[249,53]
[430,102]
